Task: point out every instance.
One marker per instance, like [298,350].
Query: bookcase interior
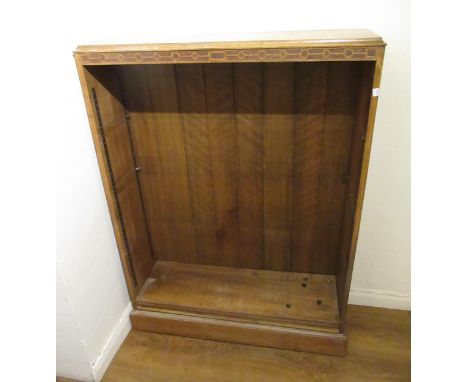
[236,184]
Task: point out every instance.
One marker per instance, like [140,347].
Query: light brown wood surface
[379,350]
[331,45]
[240,331]
[115,141]
[281,297]
[317,38]
[345,265]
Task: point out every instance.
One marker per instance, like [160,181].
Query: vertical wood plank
[137,96]
[248,85]
[224,159]
[279,124]
[336,145]
[311,90]
[171,179]
[192,104]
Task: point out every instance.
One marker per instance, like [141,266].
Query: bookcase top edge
[269,40]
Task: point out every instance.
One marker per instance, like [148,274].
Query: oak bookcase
[235,173]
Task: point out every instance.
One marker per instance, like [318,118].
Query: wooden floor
[379,350]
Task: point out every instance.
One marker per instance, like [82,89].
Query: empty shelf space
[281,298]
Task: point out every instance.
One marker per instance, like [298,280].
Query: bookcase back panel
[244,165]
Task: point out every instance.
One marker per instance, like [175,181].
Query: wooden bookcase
[235,174]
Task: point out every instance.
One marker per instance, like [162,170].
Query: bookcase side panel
[112,140]
[369,80]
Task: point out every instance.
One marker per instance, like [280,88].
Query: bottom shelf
[283,299]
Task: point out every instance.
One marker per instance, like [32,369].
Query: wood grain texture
[307,38]
[158,137]
[219,93]
[365,79]
[300,298]
[309,125]
[244,164]
[251,165]
[198,148]
[336,146]
[115,142]
[333,45]
[249,86]
[86,82]
[278,154]
[378,350]
[137,101]
[218,56]
[237,331]
[170,179]
[345,265]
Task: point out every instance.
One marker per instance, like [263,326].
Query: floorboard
[379,350]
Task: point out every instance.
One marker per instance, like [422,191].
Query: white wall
[92,295]
[92,301]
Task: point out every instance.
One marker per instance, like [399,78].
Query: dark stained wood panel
[190,80]
[334,174]
[300,298]
[278,154]
[137,99]
[219,92]
[244,164]
[248,85]
[309,124]
[170,178]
